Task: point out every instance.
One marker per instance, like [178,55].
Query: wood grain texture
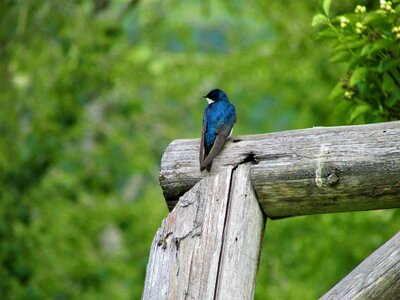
[377,277]
[208,246]
[300,172]
[243,235]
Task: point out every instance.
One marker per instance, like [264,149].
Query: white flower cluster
[343,22]
[396,30]
[360,9]
[386,5]
[348,94]
[359,27]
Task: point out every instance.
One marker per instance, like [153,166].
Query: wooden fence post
[209,245]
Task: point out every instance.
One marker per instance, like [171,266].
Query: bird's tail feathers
[219,143]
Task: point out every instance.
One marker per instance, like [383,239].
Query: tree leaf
[356,44]
[319,19]
[341,56]
[351,38]
[382,44]
[358,111]
[394,98]
[336,92]
[387,64]
[326,4]
[358,75]
[371,17]
[388,83]
[341,47]
[366,50]
[327,33]
[354,61]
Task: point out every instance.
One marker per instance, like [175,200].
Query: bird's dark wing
[222,135]
[219,143]
[202,148]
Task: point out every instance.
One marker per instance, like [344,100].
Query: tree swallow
[219,117]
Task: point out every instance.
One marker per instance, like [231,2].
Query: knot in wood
[327,176]
[332,179]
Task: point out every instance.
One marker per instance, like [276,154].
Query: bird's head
[216,95]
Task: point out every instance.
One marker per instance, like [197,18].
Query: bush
[368,42]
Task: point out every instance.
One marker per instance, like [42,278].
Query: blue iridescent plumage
[219,117]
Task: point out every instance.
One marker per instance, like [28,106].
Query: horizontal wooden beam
[377,277]
[300,172]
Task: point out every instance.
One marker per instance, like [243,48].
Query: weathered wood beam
[377,277]
[208,247]
[300,172]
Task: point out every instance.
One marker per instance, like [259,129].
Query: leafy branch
[368,42]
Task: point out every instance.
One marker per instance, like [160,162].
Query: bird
[218,120]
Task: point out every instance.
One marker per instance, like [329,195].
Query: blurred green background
[92,92]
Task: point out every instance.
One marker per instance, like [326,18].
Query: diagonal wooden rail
[209,245]
[377,277]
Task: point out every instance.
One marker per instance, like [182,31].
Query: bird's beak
[204,97]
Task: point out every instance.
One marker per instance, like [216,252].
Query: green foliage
[368,43]
[327,246]
[92,92]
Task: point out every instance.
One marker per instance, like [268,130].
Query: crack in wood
[194,232]
[163,240]
[224,231]
[250,157]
